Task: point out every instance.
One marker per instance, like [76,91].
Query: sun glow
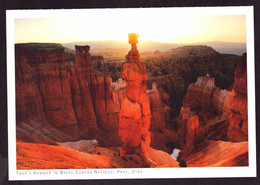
[115,24]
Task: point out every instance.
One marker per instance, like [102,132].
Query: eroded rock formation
[199,94]
[73,100]
[157,111]
[190,130]
[135,113]
[161,137]
[134,118]
[43,88]
[221,109]
[211,113]
[217,153]
[238,124]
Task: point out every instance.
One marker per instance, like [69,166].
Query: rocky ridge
[210,113]
[73,100]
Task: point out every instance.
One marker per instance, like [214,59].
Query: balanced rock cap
[132,38]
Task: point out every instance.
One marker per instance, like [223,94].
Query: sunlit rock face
[135,114]
[93,97]
[196,104]
[183,118]
[73,100]
[223,113]
[81,90]
[160,114]
[216,154]
[210,113]
[199,94]
[190,130]
[161,137]
[157,111]
[43,87]
[221,101]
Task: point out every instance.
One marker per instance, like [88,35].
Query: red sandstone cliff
[209,113]
[73,100]
[161,137]
[199,94]
[238,125]
[203,100]
[42,87]
[217,153]
[223,113]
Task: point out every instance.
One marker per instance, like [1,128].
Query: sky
[115,24]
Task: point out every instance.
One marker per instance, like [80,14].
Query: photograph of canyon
[116,89]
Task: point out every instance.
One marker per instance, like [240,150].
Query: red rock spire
[83,57]
[134,119]
[133,55]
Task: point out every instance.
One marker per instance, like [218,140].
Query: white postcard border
[130,173]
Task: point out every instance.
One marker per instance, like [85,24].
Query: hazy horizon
[140,42]
[157,25]
[143,46]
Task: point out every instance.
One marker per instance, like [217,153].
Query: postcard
[131,93]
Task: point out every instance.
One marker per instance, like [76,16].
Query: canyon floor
[207,154]
[43,156]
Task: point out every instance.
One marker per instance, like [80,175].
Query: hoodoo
[135,114]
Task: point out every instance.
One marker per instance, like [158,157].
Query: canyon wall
[216,113]
[74,100]
[238,127]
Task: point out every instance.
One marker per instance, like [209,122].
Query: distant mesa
[40,46]
[221,47]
